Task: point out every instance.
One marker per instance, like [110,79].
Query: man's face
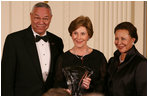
[40,19]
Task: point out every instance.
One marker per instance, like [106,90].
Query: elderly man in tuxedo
[29,56]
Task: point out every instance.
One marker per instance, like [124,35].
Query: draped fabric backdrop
[105,15]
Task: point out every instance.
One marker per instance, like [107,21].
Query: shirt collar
[34,33]
[130,52]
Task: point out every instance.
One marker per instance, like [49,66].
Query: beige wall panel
[26,13]
[115,21]
[96,25]
[101,24]
[5,21]
[110,30]
[129,7]
[67,38]
[138,21]
[124,11]
[120,11]
[106,28]
[16,15]
[56,25]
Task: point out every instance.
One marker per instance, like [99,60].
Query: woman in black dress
[127,68]
[81,30]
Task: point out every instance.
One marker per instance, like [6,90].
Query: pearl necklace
[81,57]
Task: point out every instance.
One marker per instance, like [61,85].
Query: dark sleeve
[108,66]
[141,79]
[101,80]
[8,67]
[61,46]
[60,80]
[103,71]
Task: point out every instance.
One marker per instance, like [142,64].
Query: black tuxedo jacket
[20,68]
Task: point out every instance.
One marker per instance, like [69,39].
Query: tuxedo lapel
[32,51]
[52,51]
[52,54]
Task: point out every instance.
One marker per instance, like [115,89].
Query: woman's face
[80,37]
[123,40]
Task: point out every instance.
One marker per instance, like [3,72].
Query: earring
[133,43]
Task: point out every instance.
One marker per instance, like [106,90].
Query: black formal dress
[95,61]
[20,69]
[130,77]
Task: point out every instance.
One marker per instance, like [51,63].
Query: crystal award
[74,77]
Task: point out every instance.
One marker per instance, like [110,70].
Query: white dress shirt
[43,49]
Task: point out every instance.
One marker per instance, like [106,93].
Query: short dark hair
[130,27]
[42,4]
[81,21]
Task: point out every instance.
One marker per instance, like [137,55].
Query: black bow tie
[38,38]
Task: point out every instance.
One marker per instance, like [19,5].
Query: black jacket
[130,78]
[20,68]
[95,61]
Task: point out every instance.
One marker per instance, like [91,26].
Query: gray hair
[42,4]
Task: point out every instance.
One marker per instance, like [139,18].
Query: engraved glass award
[74,77]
